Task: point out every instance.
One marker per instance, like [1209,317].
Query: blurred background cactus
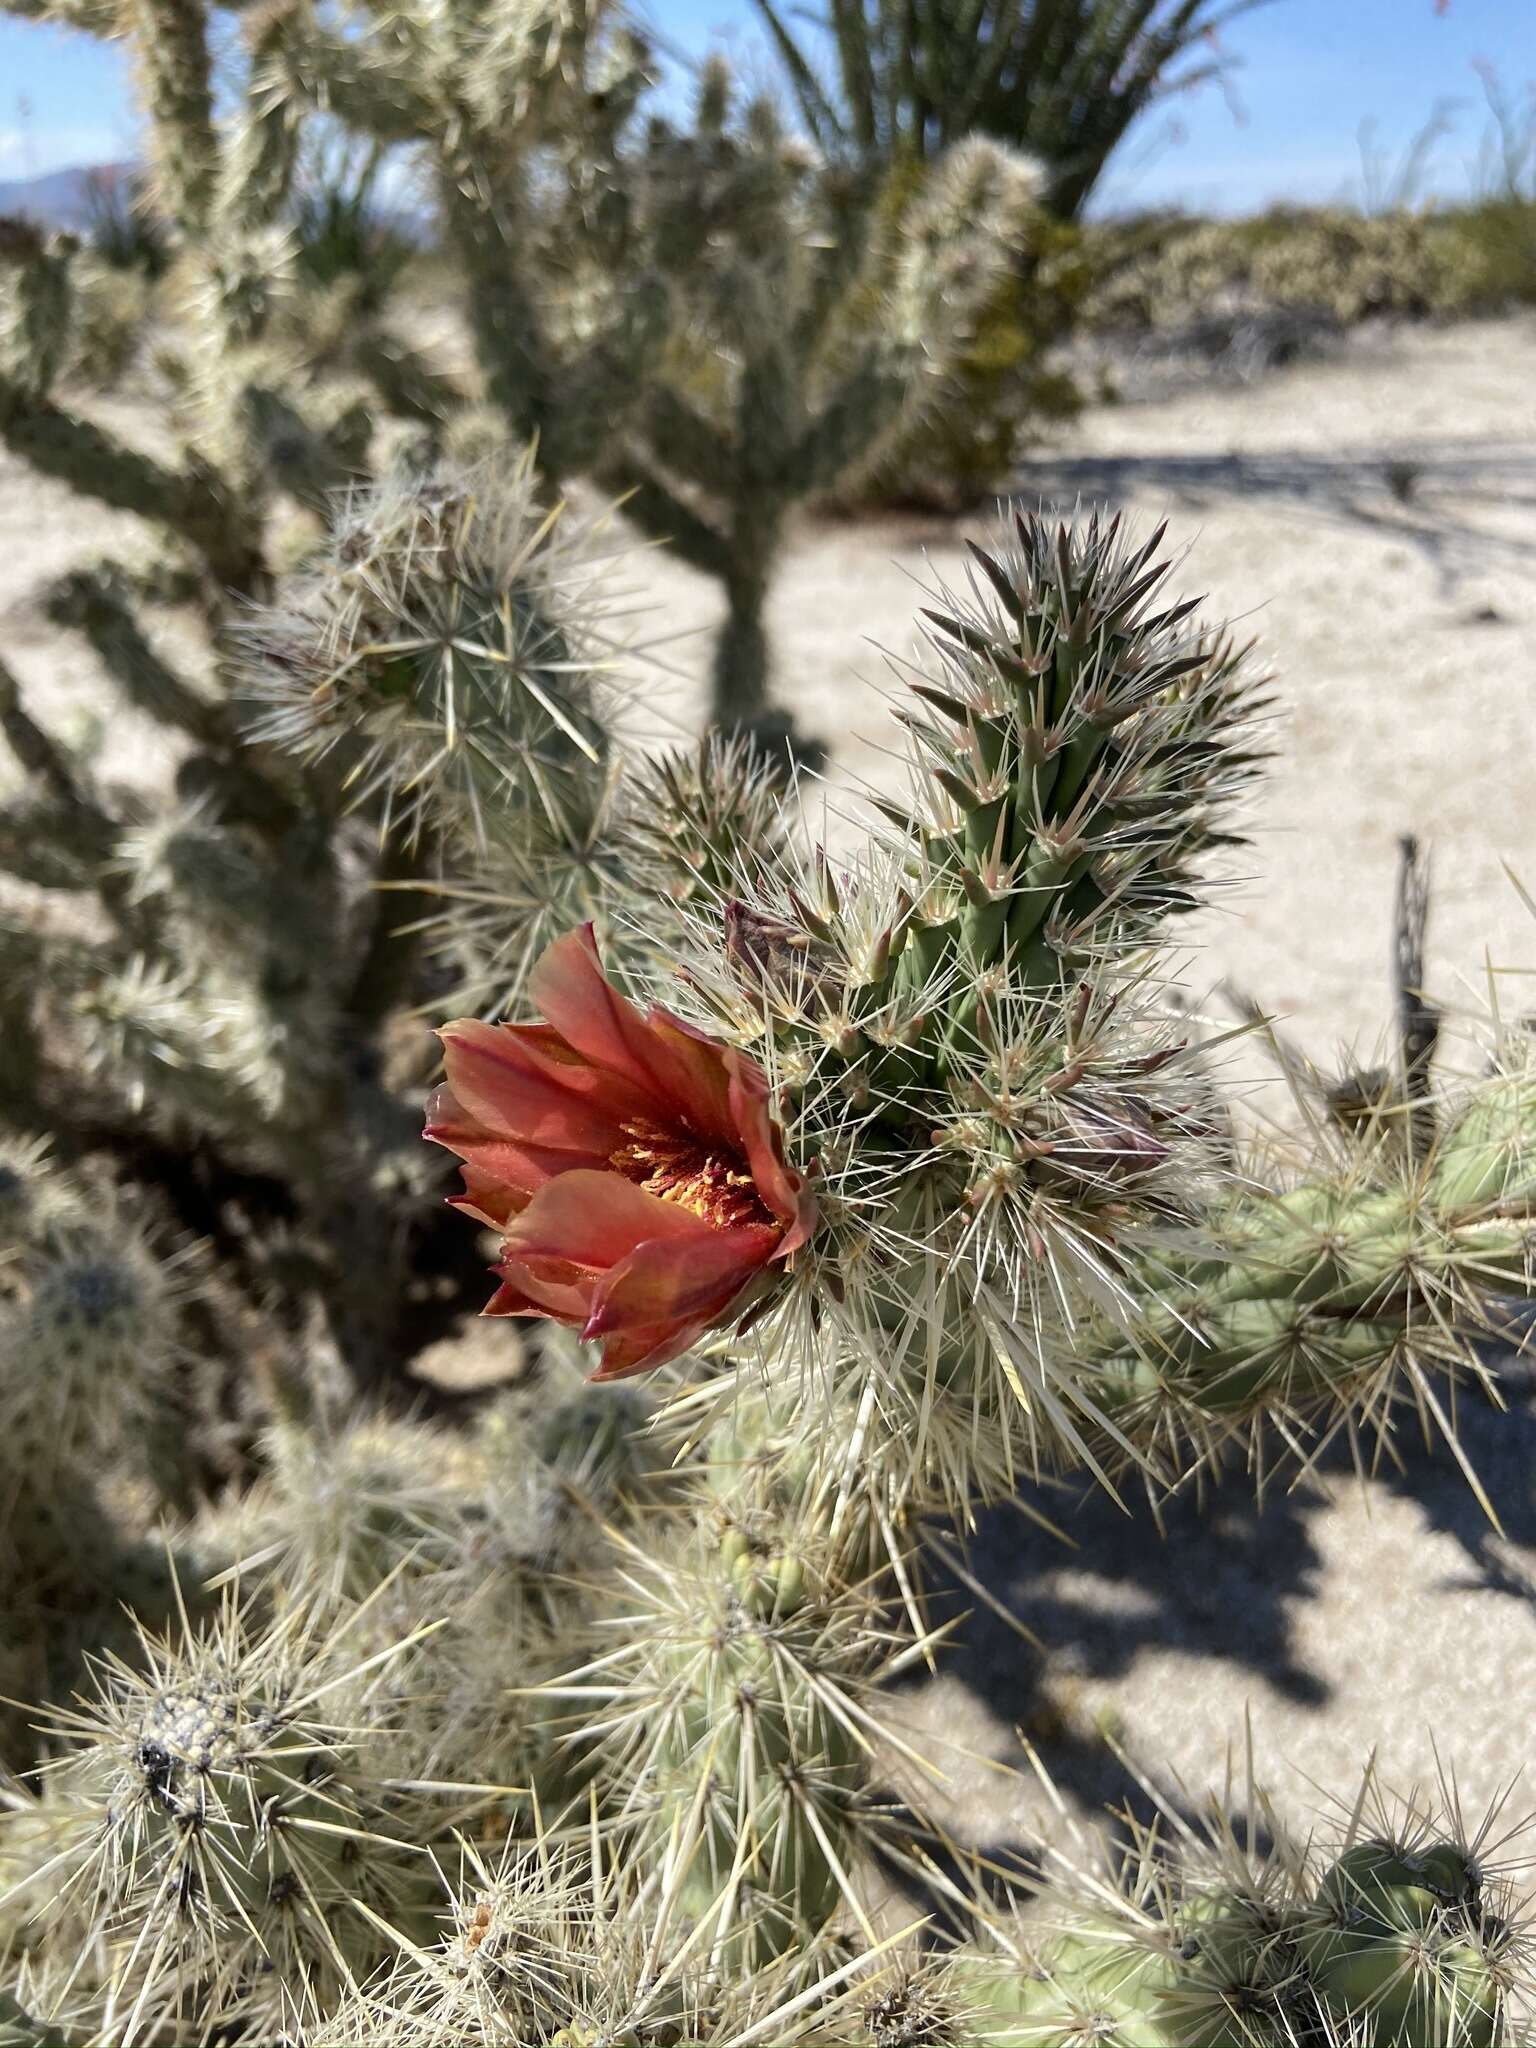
[212,996]
[816,308]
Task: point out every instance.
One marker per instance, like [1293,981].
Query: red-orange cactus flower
[629,1162]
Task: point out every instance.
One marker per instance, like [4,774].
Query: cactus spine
[1394,1930]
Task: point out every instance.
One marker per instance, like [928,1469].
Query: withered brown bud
[774,957]
[1109,1141]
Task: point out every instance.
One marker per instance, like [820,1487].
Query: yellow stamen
[705,1179]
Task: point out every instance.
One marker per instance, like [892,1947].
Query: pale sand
[1388,1617]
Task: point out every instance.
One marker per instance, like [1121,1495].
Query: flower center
[711,1182]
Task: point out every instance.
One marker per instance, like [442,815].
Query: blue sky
[1309,73]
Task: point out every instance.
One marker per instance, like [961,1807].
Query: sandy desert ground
[1402,629]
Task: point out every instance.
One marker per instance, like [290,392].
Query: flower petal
[509,1080]
[782,1189]
[488,1198]
[677,1069]
[594,1220]
[524,1292]
[664,1296]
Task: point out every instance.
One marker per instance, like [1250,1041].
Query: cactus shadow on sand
[1459,490]
[1126,1590]
[1502,1450]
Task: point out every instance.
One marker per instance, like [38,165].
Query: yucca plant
[1062,79]
[1062,82]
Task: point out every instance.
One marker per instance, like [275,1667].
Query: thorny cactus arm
[1003,1156]
[443,659]
[1394,1922]
[223,1828]
[74,451]
[170,45]
[1329,1302]
[382,88]
[1079,741]
[732,1698]
[74,825]
[34,336]
[95,602]
[91,1331]
[91,17]
[487,95]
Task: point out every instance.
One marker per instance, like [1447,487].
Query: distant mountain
[72,199]
[61,199]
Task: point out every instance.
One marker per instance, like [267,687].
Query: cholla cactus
[915,1147]
[814,311]
[906,1188]
[342,1512]
[556,1941]
[514,1960]
[662,835]
[923,1123]
[1338,1296]
[248,998]
[445,658]
[450,663]
[234,924]
[474,1547]
[220,1827]
[715,323]
[729,1697]
[1390,1924]
[91,1342]
[1079,749]
[977,1135]
[228,1028]
[492,96]
[210,503]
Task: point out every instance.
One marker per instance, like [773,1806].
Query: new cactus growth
[1080,741]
